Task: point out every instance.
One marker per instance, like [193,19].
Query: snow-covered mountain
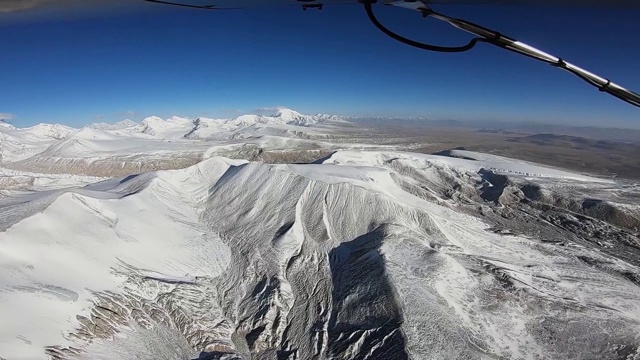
[5,124]
[155,143]
[366,255]
[203,128]
[173,128]
[164,240]
[17,144]
[117,126]
[283,117]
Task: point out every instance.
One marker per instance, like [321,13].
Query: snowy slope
[20,180]
[345,260]
[6,125]
[205,128]
[465,160]
[173,128]
[17,144]
[117,126]
[281,117]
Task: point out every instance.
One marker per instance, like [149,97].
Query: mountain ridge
[364,255]
[55,148]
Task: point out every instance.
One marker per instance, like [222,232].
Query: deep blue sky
[107,66]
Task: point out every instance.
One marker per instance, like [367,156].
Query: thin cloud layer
[5,116]
[269,109]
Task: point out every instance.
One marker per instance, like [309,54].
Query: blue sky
[157,60]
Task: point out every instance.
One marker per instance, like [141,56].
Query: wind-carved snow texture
[370,255]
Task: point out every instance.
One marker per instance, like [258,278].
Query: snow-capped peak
[94,134]
[156,121]
[117,126]
[6,125]
[283,116]
[288,114]
[329,117]
[153,119]
[54,131]
[174,127]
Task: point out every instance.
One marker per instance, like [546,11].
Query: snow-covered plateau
[361,254]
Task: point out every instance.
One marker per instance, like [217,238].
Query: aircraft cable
[201,7]
[493,37]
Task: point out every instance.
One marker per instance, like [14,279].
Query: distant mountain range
[50,147]
[176,126]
